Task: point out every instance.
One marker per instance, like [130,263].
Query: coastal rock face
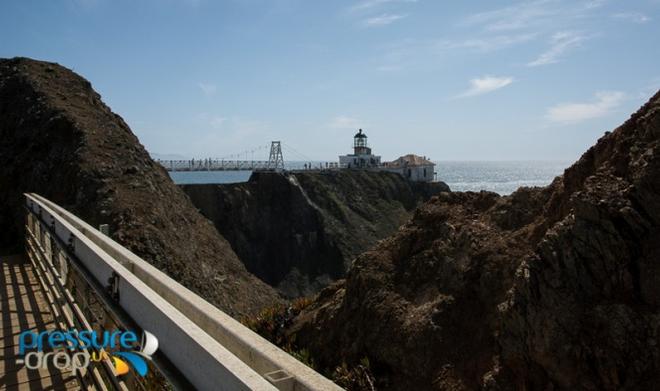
[584,311]
[58,139]
[548,288]
[300,231]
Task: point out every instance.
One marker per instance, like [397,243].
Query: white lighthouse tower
[362,156]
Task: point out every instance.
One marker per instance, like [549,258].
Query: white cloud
[370,4]
[593,4]
[207,88]
[216,122]
[560,43]
[486,84]
[487,44]
[344,122]
[513,17]
[382,20]
[635,17]
[410,53]
[603,104]
[535,15]
[538,17]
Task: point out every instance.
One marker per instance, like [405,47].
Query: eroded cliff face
[58,139]
[584,310]
[549,288]
[300,231]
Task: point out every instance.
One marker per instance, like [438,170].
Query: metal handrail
[250,353]
[60,299]
[200,360]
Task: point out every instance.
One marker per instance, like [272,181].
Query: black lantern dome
[360,144]
[359,134]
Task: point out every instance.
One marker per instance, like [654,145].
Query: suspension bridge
[244,161]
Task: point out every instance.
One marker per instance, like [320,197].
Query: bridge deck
[23,306]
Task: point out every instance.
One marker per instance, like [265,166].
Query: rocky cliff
[300,231]
[549,288]
[58,139]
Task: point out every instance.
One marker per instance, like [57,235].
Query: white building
[361,157]
[412,167]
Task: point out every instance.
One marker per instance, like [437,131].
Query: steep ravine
[300,231]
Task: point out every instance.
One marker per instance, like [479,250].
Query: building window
[424,172]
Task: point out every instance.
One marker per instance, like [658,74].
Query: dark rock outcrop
[58,139]
[300,231]
[584,309]
[549,288]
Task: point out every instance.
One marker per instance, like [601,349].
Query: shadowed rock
[58,139]
[301,231]
[549,288]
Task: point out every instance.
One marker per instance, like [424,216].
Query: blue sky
[452,80]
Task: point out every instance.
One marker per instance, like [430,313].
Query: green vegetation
[358,377]
[271,324]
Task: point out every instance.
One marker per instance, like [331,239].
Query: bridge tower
[276,160]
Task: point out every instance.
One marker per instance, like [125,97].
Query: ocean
[502,177]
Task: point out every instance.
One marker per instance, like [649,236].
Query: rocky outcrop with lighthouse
[551,288]
[300,231]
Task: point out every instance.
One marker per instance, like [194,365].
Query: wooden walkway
[23,306]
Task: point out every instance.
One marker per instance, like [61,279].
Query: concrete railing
[213,350]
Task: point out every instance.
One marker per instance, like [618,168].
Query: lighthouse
[362,156]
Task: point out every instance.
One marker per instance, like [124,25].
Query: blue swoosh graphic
[138,363]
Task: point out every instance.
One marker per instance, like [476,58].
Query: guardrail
[73,301]
[200,345]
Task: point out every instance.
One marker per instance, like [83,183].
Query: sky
[450,80]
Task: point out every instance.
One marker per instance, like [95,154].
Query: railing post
[105,229]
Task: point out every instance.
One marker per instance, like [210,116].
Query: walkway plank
[23,306]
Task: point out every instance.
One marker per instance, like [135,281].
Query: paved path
[23,306]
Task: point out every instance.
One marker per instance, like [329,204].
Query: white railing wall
[213,350]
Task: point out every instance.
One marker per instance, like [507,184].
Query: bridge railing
[200,345]
[213,165]
[73,302]
[242,165]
